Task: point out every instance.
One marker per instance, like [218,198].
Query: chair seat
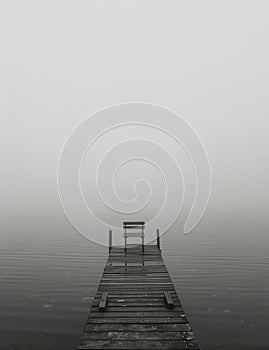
[133,227]
[133,234]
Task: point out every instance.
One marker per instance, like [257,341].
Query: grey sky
[63,60]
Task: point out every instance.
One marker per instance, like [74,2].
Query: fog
[62,61]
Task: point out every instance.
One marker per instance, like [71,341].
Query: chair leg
[125,241]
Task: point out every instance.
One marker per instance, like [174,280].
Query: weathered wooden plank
[132,303]
[138,320]
[137,256]
[144,314]
[138,269]
[134,251]
[158,288]
[139,344]
[134,300]
[135,269]
[129,257]
[128,306]
[168,299]
[136,280]
[150,268]
[159,271]
[136,283]
[136,246]
[141,274]
[136,294]
[103,301]
[135,289]
[129,327]
[135,263]
[123,289]
[134,335]
[131,252]
[126,277]
[132,272]
[133,309]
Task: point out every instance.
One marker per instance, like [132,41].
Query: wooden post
[168,300]
[158,239]
[143,241]
[110,240]
[103,301]
[125,241]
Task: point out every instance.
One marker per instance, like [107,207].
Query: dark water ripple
[48,281]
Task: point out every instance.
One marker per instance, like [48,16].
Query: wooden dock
[136,305]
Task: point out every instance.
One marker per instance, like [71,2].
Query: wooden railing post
[110,240]
[158,239]
[143,249]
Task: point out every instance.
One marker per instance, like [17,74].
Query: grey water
[49,276]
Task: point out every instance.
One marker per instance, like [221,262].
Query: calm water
[48,279]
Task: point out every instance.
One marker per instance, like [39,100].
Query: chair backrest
[134,228]
[134,224]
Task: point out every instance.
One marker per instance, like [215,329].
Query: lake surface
[49,277]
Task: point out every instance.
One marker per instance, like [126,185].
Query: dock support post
[110,240]
[158,239]
[143,249]
[125,241]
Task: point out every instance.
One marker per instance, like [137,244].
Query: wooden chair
[133,229]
